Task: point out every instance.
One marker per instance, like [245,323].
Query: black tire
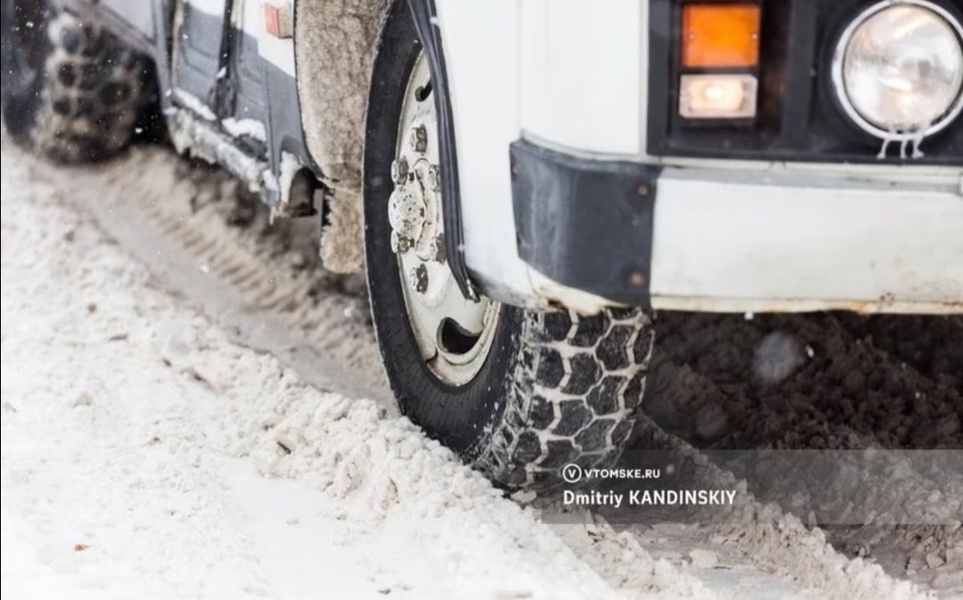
[71,90]
[556,388]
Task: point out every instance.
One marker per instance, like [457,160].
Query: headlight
[898,69]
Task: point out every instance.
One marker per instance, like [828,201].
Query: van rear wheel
[71,90]
[516,393]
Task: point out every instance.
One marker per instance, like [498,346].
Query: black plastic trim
[223,93]
[584,223]
[425,17]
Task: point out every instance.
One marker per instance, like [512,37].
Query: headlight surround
[898,69]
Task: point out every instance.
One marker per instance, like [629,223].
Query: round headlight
[898,69]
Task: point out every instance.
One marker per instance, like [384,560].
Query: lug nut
[399,170]
[439,252]
[434,178]
[399,243]
[418,139]
[419,278]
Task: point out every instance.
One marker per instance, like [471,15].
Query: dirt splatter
[893,382]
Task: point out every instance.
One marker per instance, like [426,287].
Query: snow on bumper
[595,232]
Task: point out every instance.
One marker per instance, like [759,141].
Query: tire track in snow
[168,221]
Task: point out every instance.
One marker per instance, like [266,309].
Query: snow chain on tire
[92,92]
[578,386]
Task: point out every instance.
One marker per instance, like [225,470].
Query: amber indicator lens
[720,35]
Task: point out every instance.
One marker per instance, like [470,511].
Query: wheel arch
[334,47]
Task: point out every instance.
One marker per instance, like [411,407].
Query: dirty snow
[240,128]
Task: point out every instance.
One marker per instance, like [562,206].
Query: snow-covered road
[147,453]
[124,416]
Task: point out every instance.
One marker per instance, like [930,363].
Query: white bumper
[741,246]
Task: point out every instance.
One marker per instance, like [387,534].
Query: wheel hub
[453,333]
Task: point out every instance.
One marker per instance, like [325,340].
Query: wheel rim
[454,334]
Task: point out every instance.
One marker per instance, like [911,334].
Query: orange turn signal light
[720,35]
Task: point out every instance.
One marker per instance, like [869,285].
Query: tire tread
[551,420]
[91,92]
